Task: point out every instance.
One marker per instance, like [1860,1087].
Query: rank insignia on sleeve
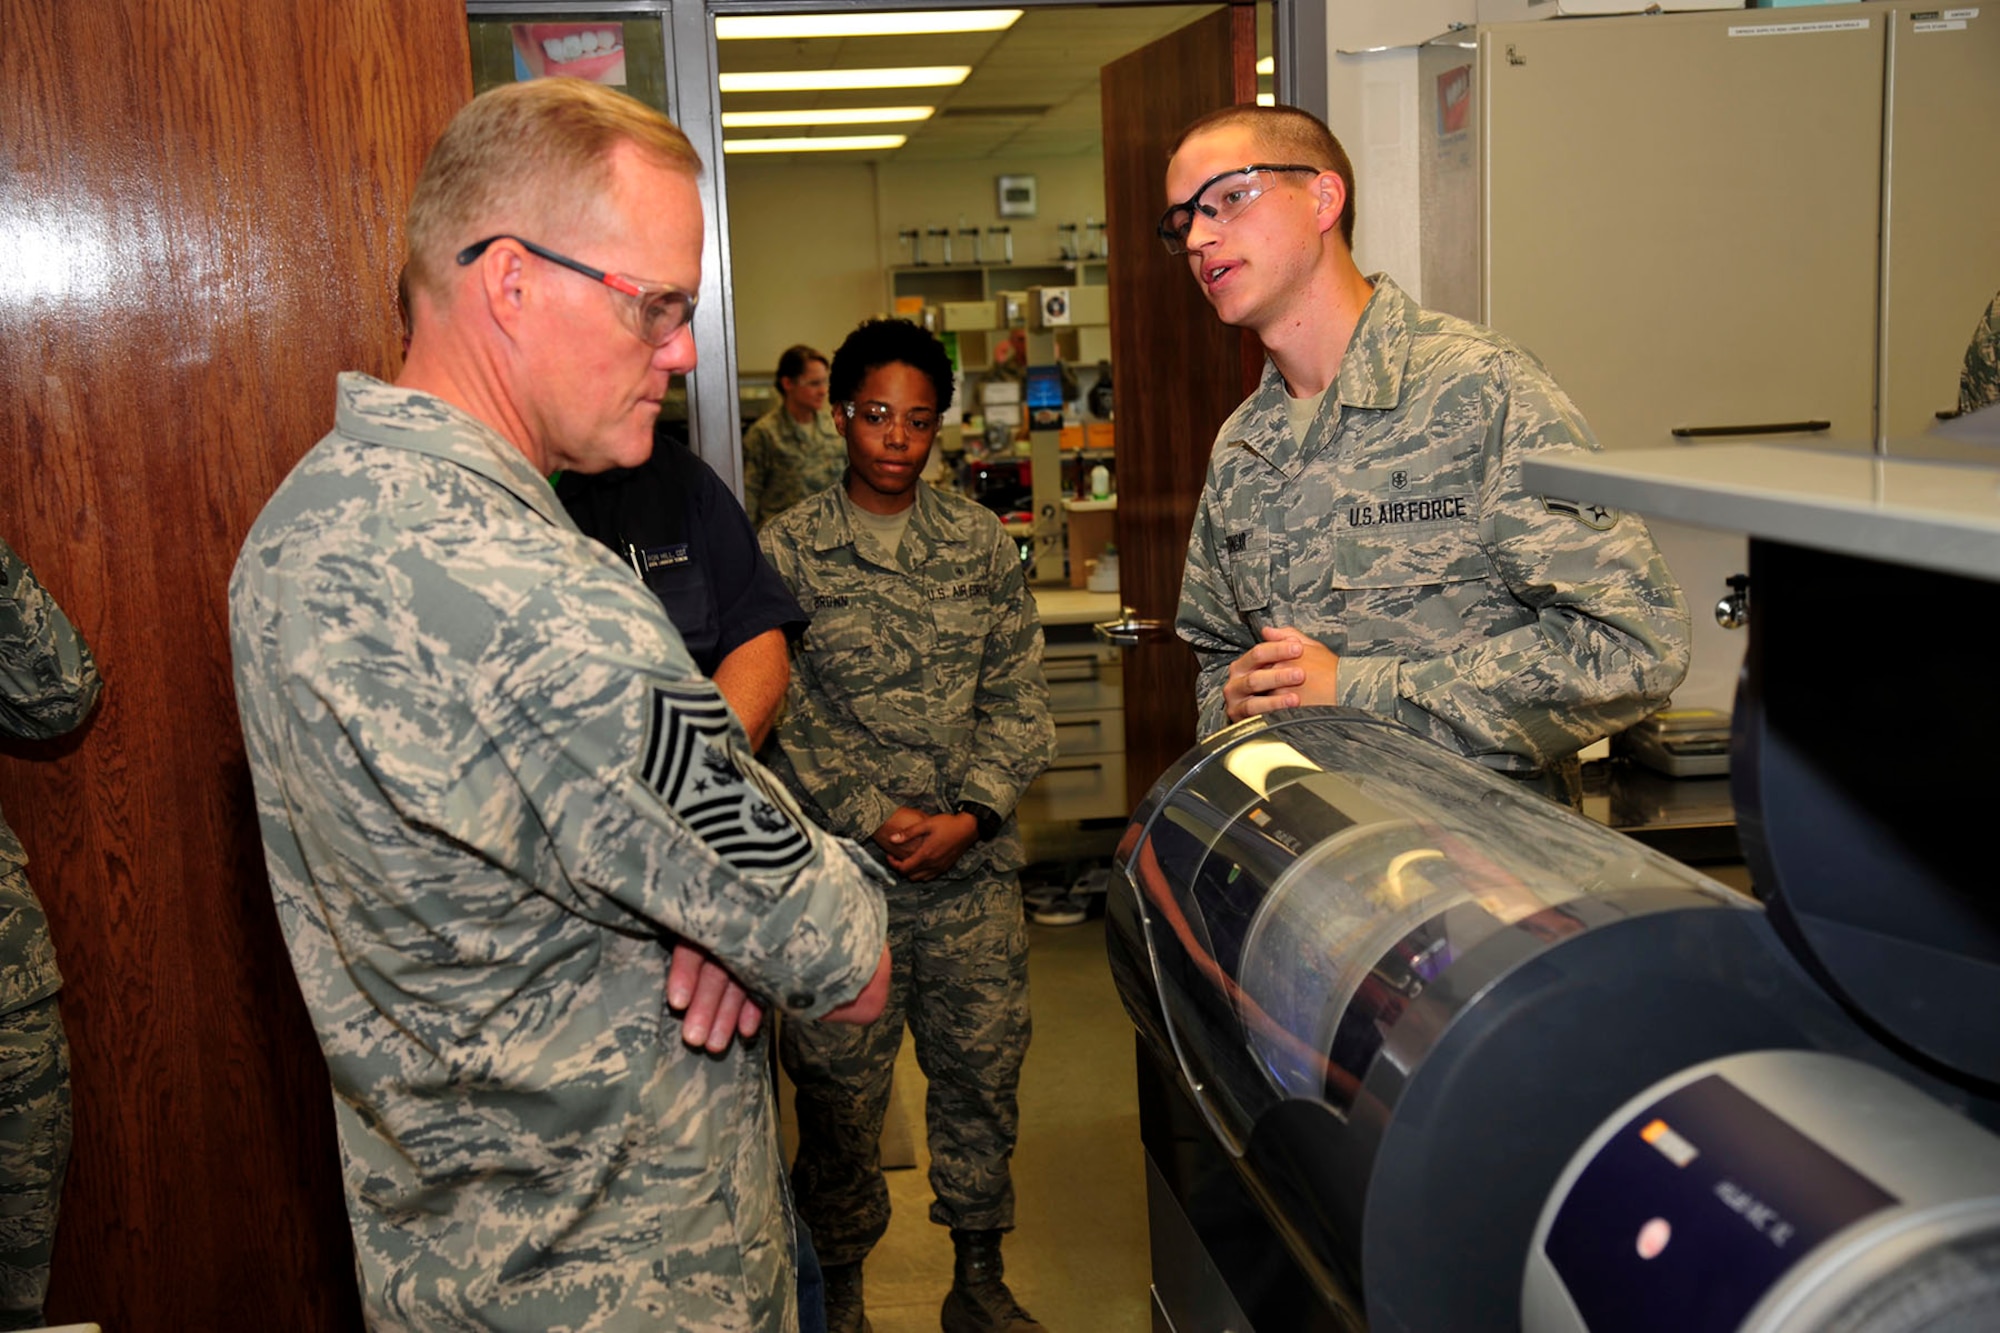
[1596,517]
[690,759]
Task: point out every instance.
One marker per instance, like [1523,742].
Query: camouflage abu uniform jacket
[919,680]
[48,683]
[784,462]
[492,788]
[1508,627]
[1979,382]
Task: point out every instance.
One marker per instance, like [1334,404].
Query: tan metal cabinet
[1752,218]
[1940,207]
[1681,216]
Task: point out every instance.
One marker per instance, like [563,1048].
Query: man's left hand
[713,1005]
[933,846]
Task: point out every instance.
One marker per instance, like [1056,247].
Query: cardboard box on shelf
[957,315]
[1071,438]
[1098,435]
[1061,307]
[1084,346]
[1000,391]
[909,307]
[1010,310]
[1093,524]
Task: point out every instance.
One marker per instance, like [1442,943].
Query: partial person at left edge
[497,797]
[48,685]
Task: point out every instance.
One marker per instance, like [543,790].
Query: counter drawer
[1085,787]
[1083,677]
[1101,731]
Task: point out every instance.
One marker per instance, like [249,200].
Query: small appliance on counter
[1680,742]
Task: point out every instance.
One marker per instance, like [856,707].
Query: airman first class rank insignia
[1596,517]
[688,761]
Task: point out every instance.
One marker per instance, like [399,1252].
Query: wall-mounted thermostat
[1017,196]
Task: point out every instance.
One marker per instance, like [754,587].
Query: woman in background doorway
[792,450]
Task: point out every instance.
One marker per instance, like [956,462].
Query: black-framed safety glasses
[657,310]
[1234,191]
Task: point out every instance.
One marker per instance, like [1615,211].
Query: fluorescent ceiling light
[866,25]
[826,143]
[1267,99]
[821,80]
[1268,65]
[854,115]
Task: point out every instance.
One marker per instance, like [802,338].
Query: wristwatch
[989,819]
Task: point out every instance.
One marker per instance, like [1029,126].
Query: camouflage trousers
[960,979]
[34,1150]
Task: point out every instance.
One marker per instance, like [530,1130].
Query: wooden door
[202,202]
[1178,370]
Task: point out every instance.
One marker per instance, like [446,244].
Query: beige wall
[802,256]
[809,242]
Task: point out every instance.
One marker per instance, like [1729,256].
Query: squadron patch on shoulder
[690,760]
[1597,517]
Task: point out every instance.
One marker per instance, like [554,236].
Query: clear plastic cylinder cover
[1305,880]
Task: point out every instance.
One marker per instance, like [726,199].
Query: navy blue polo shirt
[680,529]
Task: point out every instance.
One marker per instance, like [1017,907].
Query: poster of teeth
[593,51]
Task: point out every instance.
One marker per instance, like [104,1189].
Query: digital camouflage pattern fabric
[1510,627]
[48,685]
[969,1011]
[35,1132]
[918,683]
[784,461]
[1979,382]
[493,791]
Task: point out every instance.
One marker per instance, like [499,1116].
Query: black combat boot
[979,1301]
[843,1299]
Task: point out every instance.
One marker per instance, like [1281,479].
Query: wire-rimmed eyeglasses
[657,310]
[1234,190]
[878,417]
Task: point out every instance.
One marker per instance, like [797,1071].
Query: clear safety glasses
[878,417]
[1223,198]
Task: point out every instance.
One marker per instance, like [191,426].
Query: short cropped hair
[1285,133]
[884,342]
[531,157]
[793,361]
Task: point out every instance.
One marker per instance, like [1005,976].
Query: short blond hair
[533,157]
[1287,132]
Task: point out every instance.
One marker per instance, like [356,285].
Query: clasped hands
[921,846]
[1287,670]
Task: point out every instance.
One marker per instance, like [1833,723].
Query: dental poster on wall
[593,51]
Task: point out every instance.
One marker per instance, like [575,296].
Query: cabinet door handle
[1761,428]
[1074,768]
[1128,631]
[1091,722]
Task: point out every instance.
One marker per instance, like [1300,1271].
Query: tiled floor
[1077,1257]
